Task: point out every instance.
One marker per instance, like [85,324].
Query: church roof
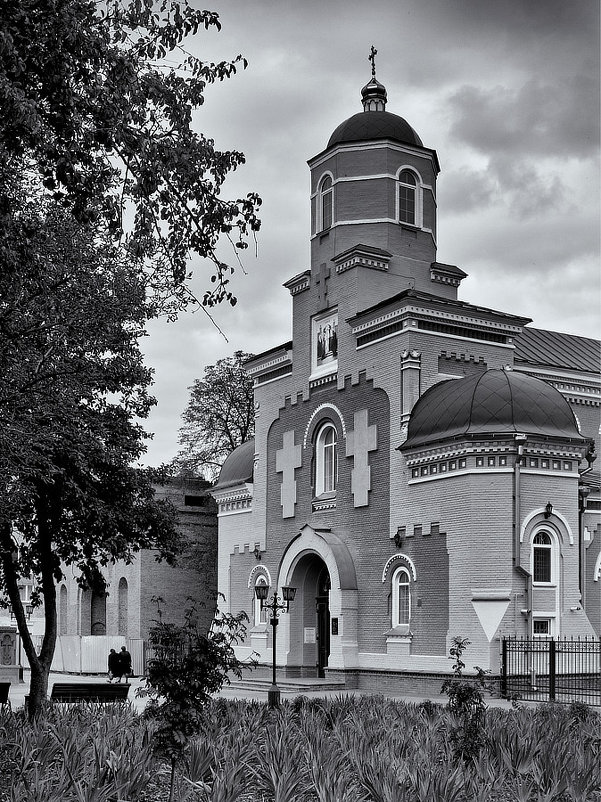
[238,467]
[496,402]
[436,302]
[553,349]
[369,125]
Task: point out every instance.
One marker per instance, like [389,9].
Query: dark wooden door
[323,634]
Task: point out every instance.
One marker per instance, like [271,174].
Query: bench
[99,692]
[4,688]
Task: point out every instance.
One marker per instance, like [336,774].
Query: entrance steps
[296,685]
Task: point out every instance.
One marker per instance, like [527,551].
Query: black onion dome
[367,125]
[238,467]
[492,403]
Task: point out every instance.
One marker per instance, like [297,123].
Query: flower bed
[348,749]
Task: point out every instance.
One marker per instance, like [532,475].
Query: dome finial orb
[373,94]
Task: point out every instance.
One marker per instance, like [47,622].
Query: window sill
[327,501]
[399,633]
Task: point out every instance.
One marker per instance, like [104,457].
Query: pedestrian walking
[125,661]
[114,665]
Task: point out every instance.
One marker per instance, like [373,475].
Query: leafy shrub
[466,701]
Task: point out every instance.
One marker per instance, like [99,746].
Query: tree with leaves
[219,417]
[106,192]
[73,389]
[187,666]
[89,105]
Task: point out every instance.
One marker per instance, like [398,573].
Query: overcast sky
[506,92]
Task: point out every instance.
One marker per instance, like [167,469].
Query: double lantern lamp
[275,606]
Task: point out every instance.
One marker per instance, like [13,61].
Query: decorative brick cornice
[362,256]
[234,499]
[299,283]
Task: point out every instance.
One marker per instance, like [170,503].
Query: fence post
[552,670]
[504,668]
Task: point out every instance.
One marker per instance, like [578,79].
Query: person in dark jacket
[125,662]
[114,665]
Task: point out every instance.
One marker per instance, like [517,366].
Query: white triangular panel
[490,613]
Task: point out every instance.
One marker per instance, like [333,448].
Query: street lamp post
[275,606]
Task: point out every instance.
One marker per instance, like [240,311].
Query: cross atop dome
[372,58]
[373,94]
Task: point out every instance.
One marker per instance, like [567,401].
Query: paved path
[18,691]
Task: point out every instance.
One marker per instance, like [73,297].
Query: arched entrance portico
[320,631]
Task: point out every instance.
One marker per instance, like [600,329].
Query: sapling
[466,701]
[188,665]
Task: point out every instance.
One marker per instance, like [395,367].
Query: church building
[422,467]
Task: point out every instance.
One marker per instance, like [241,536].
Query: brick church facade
[422,467]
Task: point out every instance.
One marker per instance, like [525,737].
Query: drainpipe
[583,492]
[582,496]
[520,440]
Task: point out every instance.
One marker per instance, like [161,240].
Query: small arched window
[326,454]
[408,198]
[542,557]
[260,616]
[62,611]
[326,203]
[401,598]
[123,607]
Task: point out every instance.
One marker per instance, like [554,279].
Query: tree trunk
[38,689]
[12,570]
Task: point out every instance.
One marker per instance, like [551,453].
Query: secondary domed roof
[491,403]
[238,467]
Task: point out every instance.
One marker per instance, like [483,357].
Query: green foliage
[466,701]
[219,417]
[77,755]
[72,311]
[188,666]
[347,749]
[97,102]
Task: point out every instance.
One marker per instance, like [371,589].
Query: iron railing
[549,669]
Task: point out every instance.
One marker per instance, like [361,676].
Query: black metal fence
[549,669]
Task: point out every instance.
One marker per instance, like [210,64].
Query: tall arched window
[326,455]
[98,613]
[123,604]
[62,611]
[542,557]
[260,616]
[326,203]
[409,199]
[401,597]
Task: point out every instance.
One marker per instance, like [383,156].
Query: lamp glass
[261,592]
[288,593]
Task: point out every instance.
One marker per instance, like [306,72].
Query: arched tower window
[62,611]
[401,598]
[409,198]
[542,558]
[326,460]
[260,616]
[326,203]
[98,613]
[123,604]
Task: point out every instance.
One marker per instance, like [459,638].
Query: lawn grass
[347,749]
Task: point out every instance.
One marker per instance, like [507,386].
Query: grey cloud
[537,118]
[465,189]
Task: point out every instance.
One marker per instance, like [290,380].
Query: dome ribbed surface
[368,125]
[492,403]
[238,467]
